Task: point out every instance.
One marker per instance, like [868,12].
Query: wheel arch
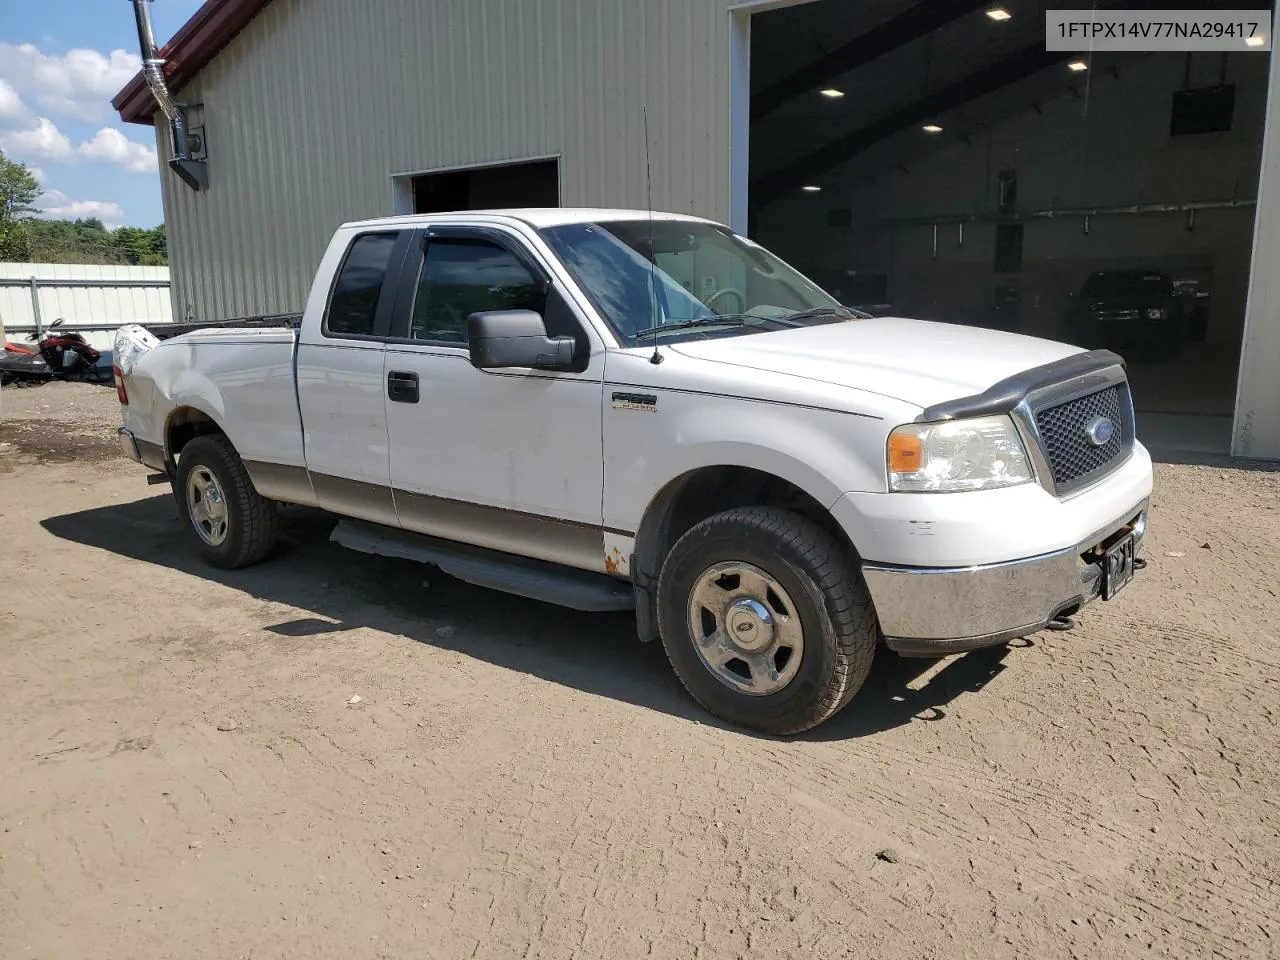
[184,423]
[701,492]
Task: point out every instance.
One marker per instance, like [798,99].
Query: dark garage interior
[533,183]
[934,160]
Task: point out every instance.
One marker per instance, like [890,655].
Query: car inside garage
[934,160]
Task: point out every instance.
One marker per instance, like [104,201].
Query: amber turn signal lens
[905,452]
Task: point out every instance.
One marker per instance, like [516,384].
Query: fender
[242,383]
[824,453]
[176,385]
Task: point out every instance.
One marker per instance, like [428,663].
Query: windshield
[691,271]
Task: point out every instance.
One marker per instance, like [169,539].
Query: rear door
[506,459]
[341,380]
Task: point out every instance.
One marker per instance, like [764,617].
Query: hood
[916,361]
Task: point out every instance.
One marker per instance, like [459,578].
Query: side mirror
[516,338]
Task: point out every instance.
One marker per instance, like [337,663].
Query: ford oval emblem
[1099,431]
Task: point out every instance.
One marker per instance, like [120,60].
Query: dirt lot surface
[188,773]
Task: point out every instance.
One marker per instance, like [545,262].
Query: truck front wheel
[234,525]
[766,619]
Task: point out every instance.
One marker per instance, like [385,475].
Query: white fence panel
[93,298]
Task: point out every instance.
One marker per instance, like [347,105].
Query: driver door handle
[402,386]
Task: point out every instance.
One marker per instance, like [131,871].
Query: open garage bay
[935,161]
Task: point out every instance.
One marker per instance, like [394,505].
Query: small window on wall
[354,303]
[1207,110]
[1008,248]
[462,277]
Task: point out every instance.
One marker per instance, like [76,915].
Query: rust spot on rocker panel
[613,561]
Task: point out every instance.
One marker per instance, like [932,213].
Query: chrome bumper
[143,451]
[128,446]
[928,611]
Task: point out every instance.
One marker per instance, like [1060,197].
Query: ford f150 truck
[614,409]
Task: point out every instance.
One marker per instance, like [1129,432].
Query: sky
[61,62]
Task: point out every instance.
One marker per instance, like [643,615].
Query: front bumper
[935,611]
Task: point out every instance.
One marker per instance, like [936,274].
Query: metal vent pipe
[194,173]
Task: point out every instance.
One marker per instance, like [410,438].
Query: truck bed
[239,373]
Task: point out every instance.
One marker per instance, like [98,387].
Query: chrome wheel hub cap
[745,628]
[207,506]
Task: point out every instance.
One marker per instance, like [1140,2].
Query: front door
[507,459]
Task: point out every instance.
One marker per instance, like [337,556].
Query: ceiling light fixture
[1077,66]
[811,188]
[1255,41]
[931,128]
[999,14]
[831,93]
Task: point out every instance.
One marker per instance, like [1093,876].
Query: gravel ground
[342,756]
[60,422]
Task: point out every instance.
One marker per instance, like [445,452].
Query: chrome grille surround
[1052,421]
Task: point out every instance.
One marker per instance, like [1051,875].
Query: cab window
[354,303]
[460,277]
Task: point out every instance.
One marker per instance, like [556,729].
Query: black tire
[826,588]
[251,522]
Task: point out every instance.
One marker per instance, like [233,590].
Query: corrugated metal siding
[314,107]
[84,305]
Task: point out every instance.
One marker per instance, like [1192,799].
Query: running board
[535,579]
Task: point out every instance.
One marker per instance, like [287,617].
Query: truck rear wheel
[234,525]
[766,619]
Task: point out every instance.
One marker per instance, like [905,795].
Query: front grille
[1072,456]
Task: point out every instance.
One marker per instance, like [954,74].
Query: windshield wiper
[727,320]
[742,319]
[822,313]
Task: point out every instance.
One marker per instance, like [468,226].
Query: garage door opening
[931,160]
[533,183]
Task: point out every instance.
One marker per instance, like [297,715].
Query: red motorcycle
[69,356]
[59,355]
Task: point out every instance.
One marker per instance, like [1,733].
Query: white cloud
[11,105]
[36,172]
[111,146]
[55,204]
[79,83]
[43,141]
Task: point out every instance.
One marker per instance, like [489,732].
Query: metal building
[803,122]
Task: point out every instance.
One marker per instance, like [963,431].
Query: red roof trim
[209,30]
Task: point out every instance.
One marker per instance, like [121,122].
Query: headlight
[1155,313]
[978,454]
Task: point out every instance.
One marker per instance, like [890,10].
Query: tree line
[26,239]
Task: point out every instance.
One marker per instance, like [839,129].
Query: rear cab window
[358,291]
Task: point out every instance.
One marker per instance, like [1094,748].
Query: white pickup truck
[613,409]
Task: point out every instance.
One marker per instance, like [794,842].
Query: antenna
[656,358]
